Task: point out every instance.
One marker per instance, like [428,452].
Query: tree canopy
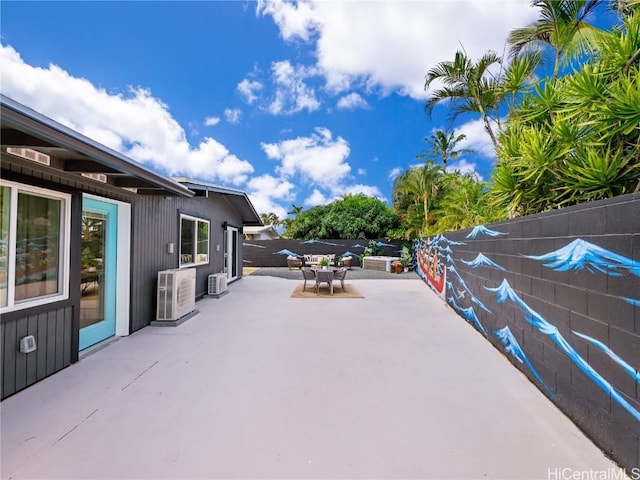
[353,216]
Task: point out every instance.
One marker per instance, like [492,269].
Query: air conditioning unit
[176,293]
[217,284]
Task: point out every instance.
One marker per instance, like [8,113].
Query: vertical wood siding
[53,333]
[156,223]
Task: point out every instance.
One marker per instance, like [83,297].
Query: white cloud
[351,102]
[248,89]
[292,93]
[119,121]
[464,166]
[293,20]
[316,198]
[264,192]
[362,171]
[390,45]
[395,172]
[318,158]
[233,115]
[477,139]
[211,121]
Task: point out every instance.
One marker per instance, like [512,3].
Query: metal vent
[98,177]
[30,154]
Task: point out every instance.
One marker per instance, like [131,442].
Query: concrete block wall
[559,294]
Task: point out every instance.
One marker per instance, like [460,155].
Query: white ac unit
[217,284]
[176,293]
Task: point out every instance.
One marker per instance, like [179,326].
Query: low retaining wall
[559,294]
[273,253]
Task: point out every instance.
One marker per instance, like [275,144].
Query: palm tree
[416,189]
[463,203]
[468,85]
[270,219]
[444,146]
[295,210]
[562,26]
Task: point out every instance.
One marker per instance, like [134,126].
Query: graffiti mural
[437,266]
[274,253]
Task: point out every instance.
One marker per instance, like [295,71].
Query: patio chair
[293,262]
[339,275]
[324,276]
[307,274]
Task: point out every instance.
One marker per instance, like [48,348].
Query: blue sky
[291,102]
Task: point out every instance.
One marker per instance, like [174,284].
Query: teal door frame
[106,328]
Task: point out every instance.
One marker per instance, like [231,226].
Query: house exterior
[84,231]
[267,232]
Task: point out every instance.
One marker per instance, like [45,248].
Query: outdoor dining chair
[339,275]
[324,276]
[307,274]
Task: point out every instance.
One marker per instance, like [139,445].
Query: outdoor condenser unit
[176,293]
[217,284]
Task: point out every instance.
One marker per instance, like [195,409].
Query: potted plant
[324,263]
[406,258]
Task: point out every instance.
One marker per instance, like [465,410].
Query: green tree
[270,219]
[578,138]
[444,146]
[353,216]
[467,86]
[413,192]
[562,27]
[463,203]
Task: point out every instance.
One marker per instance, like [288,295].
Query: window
[34,239]
[194,241]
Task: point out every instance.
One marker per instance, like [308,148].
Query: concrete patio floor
[261,385]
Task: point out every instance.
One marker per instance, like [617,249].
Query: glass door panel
[98,275]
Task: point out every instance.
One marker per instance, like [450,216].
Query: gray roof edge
[37,123]
[212,187]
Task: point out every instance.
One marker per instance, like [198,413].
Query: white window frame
[195,241]
[65,246]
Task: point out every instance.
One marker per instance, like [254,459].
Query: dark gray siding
[55,326]
[54,333]
[156,223]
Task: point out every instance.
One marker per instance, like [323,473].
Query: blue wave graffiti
[512,346]
[504,292]
[350,254]
[632,301]
[581,254]
[287,252]
[611,354]
[357,245]
[474,299]
[320,241]
[480,261]
[382,244]
[252,245]
[468,314]
[482,230]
